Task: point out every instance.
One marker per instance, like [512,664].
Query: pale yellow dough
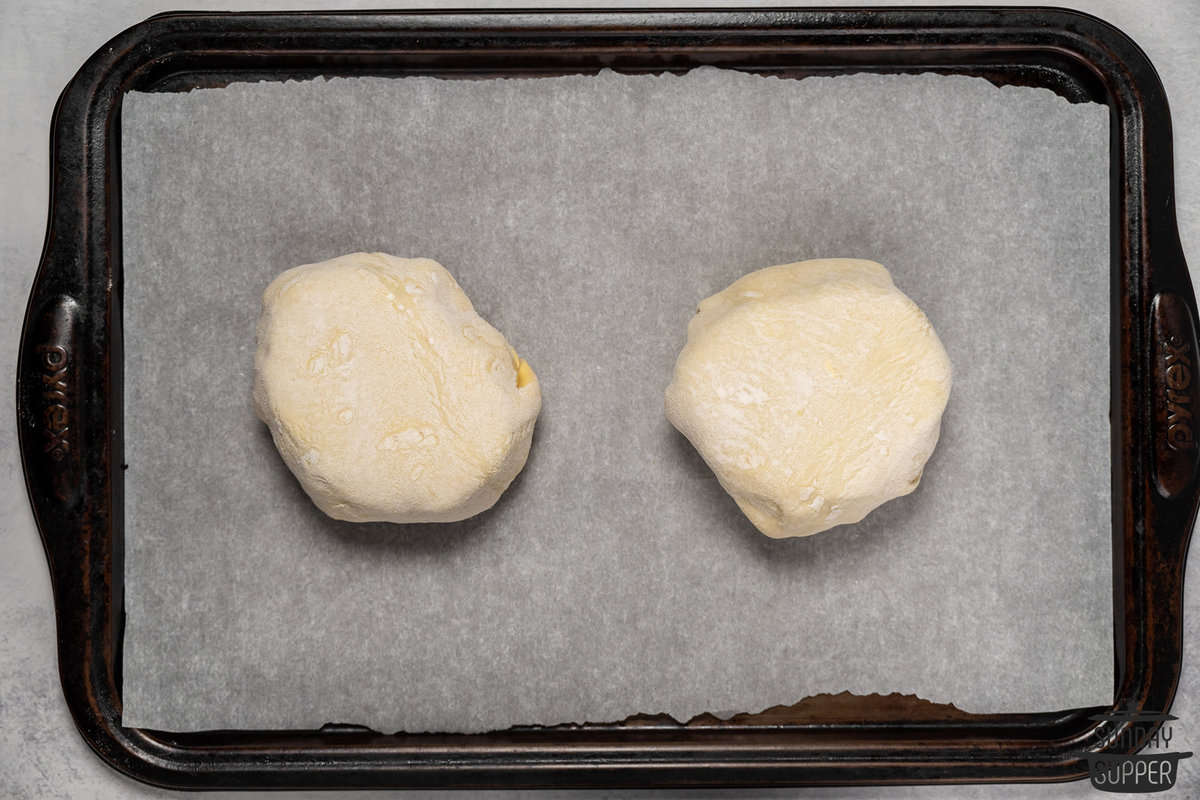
[813,390]
[387,396]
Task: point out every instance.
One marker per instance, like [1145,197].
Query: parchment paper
[586,217]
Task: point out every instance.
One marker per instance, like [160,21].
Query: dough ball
[388,397]
[813,390]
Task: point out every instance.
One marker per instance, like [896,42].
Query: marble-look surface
[41,45]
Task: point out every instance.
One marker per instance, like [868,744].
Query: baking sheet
[586,216]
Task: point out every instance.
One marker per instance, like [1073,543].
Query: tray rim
[71,343]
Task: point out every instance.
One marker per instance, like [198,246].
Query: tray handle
[1175,380]
[48,407]
[1172,324]
[66,439]
[1154,553]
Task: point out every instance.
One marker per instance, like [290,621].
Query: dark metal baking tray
[69,394]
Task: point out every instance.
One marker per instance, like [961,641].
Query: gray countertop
[41,45]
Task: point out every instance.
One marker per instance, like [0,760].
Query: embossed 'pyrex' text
[1180,435]
[56,416]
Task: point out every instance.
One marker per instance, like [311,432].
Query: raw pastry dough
[813,390]
[388,397]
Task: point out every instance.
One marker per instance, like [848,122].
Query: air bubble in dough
[813,390]
[387,396]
